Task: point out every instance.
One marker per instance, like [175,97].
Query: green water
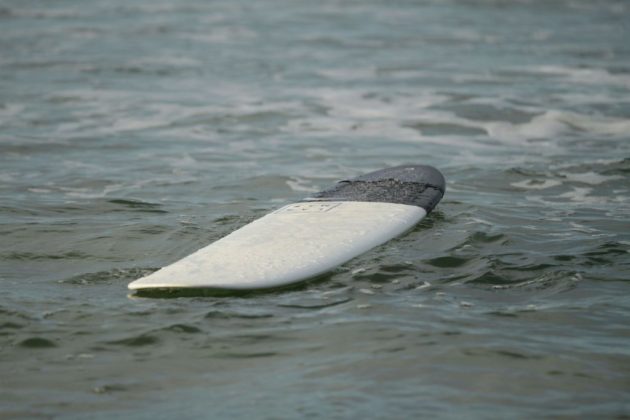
[133,133]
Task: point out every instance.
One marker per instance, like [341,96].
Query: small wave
[239,355]
[31,256]
[493,353]
[513,311]
[608,253]
[381,275]
[557,281]
[480,237]
[137,205]
[222,35]
[316,306]
[582,195]
[183,328]
[618,167]
[37,343]
[8,327]
[590,177]
[136,341]
[427,128]
[100,189]
[346,74]
[8,313]
[216,314]
[109,388]
[536,184]
[474,111]
[554,123]
[301,185]
[448,262]
[108,277]
[591,76]
[589,182]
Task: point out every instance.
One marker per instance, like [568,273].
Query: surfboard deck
[303,240]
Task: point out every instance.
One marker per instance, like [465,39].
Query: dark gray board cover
[417,185]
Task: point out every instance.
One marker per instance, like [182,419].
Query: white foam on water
[114,113]
[95,96]
[135,124]
[185,161]
[591,178]
[595,124]
[314,152]
[568,166]
[575,98]
[301,185]
[8,111]
[535,184]
[58,13]
[74,192]
[541,35]
[8,177]
[40,190]
[540,127]
[160,8]
[348,74]
[577,227]
[581,195]
[477,221]
[84,166]
[591,76]
[165,60]
[406,74]
[222,35]
[353,114]
[349,103]
[554,123]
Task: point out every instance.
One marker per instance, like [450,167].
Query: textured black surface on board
[417,185]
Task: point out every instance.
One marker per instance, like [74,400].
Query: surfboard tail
[416,185]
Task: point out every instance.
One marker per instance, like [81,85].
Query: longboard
[303,240]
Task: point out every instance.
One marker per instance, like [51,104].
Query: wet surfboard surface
[306,239]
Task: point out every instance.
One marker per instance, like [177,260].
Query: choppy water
[133,133]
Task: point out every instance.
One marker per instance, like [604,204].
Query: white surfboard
[306,239]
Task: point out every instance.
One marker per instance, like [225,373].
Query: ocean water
[133,133]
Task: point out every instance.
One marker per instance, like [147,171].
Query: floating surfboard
[303,240]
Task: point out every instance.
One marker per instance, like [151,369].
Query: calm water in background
[133,133]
